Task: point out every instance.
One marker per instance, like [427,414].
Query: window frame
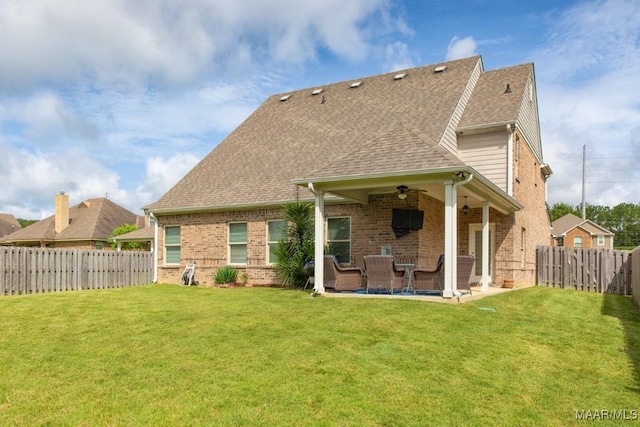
[230,243]
[329,241]
[172,245]
[575,241]
[600,240]
[268,259]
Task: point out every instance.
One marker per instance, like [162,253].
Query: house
[87,225]
[573,231]
[451,141]
[144,236]
[8,224]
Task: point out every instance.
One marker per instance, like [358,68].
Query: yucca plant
[226,275]
[293,252]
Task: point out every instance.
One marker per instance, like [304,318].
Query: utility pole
[584,204]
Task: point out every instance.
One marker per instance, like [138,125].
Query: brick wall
[578,232]
[529,188]
[204,235]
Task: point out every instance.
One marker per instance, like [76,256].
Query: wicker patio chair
[433,280]
[429,280]
[465,268]
[341,278]
[382,273]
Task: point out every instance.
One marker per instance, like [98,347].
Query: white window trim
[575,240]
[326,233]
[270,242]
[164,228]
[229,244]
[601,240]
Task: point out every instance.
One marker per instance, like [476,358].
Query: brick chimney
[62,212]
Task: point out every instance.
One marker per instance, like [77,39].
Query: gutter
[155,247]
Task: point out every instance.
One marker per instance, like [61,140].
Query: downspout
[318,275]
[510,160]
[454,237]
[155,247]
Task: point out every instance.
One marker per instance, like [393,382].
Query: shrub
[292,253]
[225,275]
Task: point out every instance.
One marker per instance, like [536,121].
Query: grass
[171,355]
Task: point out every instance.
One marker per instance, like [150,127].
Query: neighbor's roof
[141,234]
[8,224]
[93,219]
[563,225]
[382,124]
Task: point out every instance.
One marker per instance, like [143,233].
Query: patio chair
[465,268]
[341,278]
[433,280]
[382,273]
[429,280]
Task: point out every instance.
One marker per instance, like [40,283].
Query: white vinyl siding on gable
[449,139]
[486,153]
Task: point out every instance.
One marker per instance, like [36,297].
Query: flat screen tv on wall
[406,220]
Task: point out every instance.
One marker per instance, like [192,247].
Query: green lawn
[187,356]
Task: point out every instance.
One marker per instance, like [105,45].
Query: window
[172,244]
[600,240]
[577,242]
[238,243]
[276,231]
[99,245]
[339,238]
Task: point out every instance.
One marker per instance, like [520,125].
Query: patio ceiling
[430,182]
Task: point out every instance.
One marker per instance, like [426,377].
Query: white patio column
[449,239]
[485,247]
[318,276]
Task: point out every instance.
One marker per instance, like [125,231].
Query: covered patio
[455,187]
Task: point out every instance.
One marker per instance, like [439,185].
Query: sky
[120,99]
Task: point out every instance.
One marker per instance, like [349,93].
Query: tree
[26,222]
[623,220]
[559,210]
[297,248]
[124,229]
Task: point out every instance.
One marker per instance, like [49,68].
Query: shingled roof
[568,222]
[389,123]
[93,219]
[8,224]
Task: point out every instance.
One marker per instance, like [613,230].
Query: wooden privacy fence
[35,270]
[592,270]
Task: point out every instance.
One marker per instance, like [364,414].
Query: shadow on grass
[627,312]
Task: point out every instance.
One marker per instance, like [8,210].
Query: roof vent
[355,84]
[508,88]
[284,98]
[316,92]
[399,76]
[440,69]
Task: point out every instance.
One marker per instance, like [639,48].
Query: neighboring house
[8,224]
[455,144]
[144,236]
[573,231]
[87,225]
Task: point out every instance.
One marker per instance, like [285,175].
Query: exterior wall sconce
[465,208]
[402,191]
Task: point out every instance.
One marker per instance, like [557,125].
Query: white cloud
[163,173]
[399,57]
[587,87]
[32,179]
[461,48]
[166,41]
